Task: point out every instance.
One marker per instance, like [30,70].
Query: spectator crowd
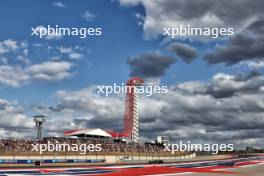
[20,146]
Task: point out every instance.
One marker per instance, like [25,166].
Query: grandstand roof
[90,132]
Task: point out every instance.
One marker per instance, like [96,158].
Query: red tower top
[135,81]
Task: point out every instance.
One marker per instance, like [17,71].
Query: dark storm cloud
[250,75]
[184,51]
[149,65]
[230,12]
[247,83]
[246,17]
[247,45]
[224,85]
[202,13]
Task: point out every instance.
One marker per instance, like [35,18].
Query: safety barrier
[8,161]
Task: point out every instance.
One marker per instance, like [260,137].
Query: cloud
[197,13]
[75,53]
[17,50]
[65,49]
[184,51]
[193,87]
[50,71]
[245,46]
[13,76]
[88,16]
[149,65]
[59,4]
[16,76]
[8,45]
[13,122]
[76,56]
[224,85]
[255,65]
[189,111]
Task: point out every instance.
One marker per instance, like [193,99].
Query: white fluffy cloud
[17,49]
[75,53]
[16,76]
[59,4]
[50,71]
[13,122]
[76,56]
[8,45]
[13,76]
[16,68]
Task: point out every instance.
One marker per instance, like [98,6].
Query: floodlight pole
[39,120]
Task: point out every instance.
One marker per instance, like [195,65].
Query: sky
[215,86]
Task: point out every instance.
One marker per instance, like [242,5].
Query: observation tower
[131,109]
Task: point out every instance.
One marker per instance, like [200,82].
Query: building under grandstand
[95,134]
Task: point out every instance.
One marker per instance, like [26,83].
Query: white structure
[87,132]
[135,134]
[162,139]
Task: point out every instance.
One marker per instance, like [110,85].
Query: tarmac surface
[244,165]
[253,170]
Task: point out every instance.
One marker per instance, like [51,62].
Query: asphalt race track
[250,165]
